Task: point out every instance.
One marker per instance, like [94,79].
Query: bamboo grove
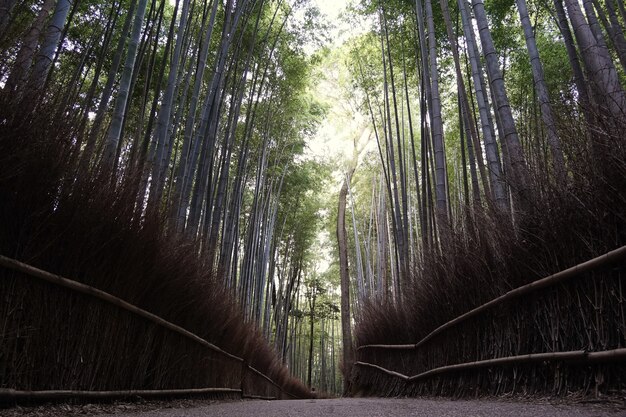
[195,114]
[496,125]
[156,149]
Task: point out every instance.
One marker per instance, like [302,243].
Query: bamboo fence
[246,390]
[577,356]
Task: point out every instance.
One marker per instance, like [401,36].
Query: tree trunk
[19,73]
[164,118]
[344,272]
[49,45]
[441,175]
[542,95]
[6,11]
[311,329]
[491,148]
[517,172]
[613,28]
[474,149]
[570,46]
[113,135]
[186,159]
[103,104]
[608,92]
[401,208]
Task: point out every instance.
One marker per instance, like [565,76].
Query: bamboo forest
[281,199]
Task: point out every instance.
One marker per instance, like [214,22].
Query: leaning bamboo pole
[570,356]
[58,280]
[258,397]
[549,281]
[110,299]
[262,375]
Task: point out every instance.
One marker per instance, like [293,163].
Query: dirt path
[376,407]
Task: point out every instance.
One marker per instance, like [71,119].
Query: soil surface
[345,407]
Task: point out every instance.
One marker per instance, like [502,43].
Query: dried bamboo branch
[551,280]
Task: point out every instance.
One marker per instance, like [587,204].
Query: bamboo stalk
[551,280]
[11,394]
[570,356]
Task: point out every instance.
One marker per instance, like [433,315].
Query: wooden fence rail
[615,355]
[28,270]
[549,281]
[15,395]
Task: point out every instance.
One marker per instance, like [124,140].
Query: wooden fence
[249,382]
[392,360]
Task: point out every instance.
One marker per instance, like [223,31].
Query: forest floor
[344,407]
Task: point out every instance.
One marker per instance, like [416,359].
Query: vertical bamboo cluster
[194,105]
[468,158]
[520,109]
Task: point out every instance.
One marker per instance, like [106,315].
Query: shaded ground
[362,407]
[375,407]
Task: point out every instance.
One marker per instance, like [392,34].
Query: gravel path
[376,407]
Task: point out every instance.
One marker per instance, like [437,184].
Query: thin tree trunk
[441,176]
[6,11]
[49,45]
[517,172]
[401,203]
[187,160]
[344,272]
[491,148]
[113,135]
[613,28]
[542,95]
[311,328]
[579,78]
[164,118]
[464,122]
[465,112]
[609,95]
[21,68]
[103,104]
